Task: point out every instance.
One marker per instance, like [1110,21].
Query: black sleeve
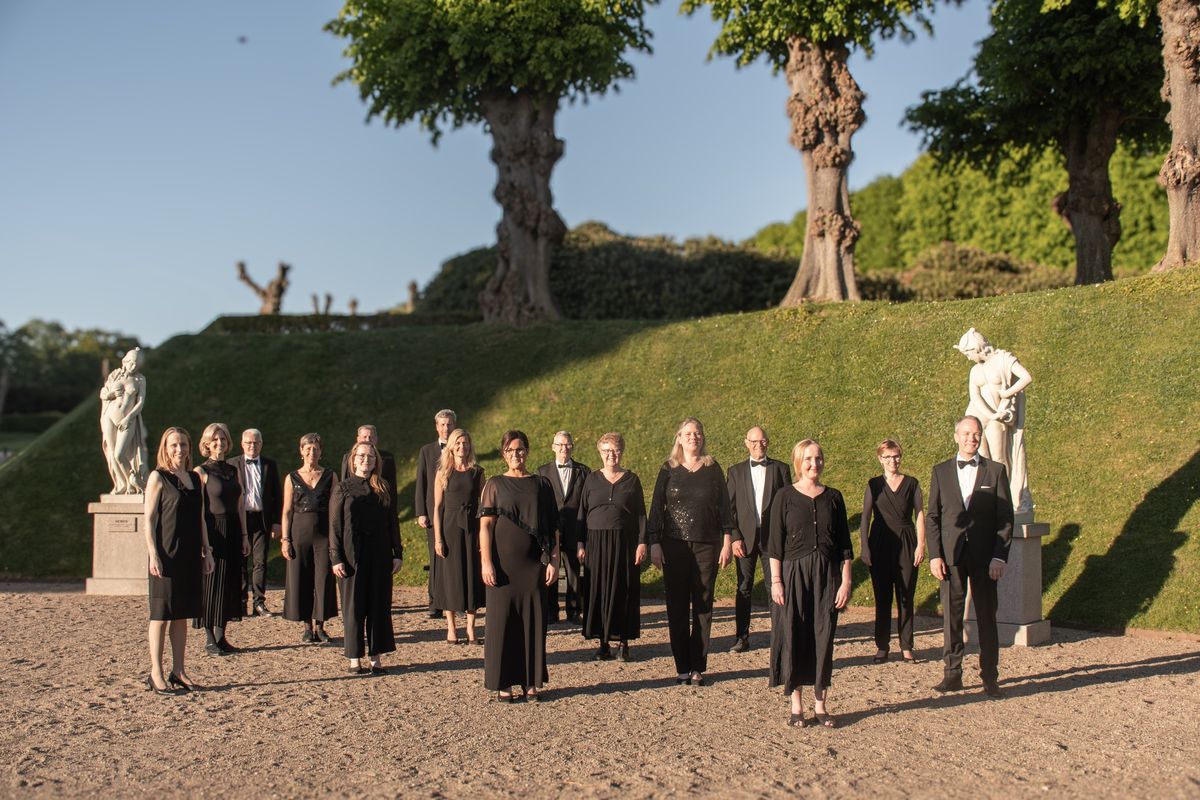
[724,507]
[868,508]
[275,510]
[338,525]
[581,516]
[422,485]
[731,488]
[841,527]
[1004,514]
[639,509]
[933,517]
[658,502]
[775,532]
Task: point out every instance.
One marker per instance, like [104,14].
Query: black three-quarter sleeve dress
[310,591]
[811,538]
[459,582]
[612,523]
[365,536]
[223,599]
[889,520]
[177,539]
[525,511]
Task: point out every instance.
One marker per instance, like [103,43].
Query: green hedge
[324,323]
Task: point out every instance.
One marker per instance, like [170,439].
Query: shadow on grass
[1056,553]
[1121,584]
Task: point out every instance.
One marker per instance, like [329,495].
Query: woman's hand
[489,574]
[155,565]
[283,547]
[339,570]
[726,557]
[843,595]
[656,556]
[439,547]
[918,555]
[865,555]
[639,556]
[581,553]
[396,565]
[777,592]
[209,563]
[245,546]
[551,573]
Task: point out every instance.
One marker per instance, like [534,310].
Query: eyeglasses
[516,451]
[610,452]
[891,458]
[762,442]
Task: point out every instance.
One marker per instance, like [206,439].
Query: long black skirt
[803,628]
[222,598]
[514,650]
[310,588]
[614,607]
[458,585]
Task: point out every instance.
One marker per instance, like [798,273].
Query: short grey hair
[564,433]
[968,417]
[446,413]
[252,432]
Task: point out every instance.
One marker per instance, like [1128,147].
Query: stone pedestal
[118,545]
[1019,593]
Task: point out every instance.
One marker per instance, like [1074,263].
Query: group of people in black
[498,544]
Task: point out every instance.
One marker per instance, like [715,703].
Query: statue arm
[137,407]
[1023,379]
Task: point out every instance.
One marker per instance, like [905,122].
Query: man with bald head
[263,496]
[752,485]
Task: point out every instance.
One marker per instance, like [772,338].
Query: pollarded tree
[810,41]
[1180,173]
[507,63]
[1077,78]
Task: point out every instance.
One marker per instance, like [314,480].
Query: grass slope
[1113,456]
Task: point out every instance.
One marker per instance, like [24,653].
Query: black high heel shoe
[169,692]
[175,680]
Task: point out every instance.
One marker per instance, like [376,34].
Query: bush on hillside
[314,323]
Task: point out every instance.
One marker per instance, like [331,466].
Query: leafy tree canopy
[754,28]
[433,60]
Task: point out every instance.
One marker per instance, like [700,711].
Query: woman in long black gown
[310,595]
[225,518]
[458,587]
[809,548]
[893,546]
[177,557]
[519,548]
[691,526]
[365,550]
[612,542]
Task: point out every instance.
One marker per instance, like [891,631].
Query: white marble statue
[997,397]
[122,432]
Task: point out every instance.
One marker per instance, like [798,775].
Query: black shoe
[168,692]
[603,654]
[697,679]
[307,636]
[213,650]
[261,610]
[740,645]
[319,635]
[226,648]
[949,685]
[435,613]
[175,680]
[993,690]
[623,653]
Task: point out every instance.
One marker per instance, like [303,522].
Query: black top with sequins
[692,506]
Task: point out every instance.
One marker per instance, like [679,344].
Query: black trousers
[577,588]
[689,577]
[893,575]
[954,602]
[745,587]
[254,568]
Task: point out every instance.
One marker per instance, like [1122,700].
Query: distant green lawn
[15,442]
[1113,454]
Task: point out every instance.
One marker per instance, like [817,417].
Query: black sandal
[825,719]
[797,721]
[880,657]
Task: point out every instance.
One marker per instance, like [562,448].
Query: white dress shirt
[253,484]
[758,477]
[564,476]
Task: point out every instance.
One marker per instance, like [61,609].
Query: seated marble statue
[122,432]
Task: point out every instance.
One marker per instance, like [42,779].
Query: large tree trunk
[1180,173]
[525,151]
[825,107]
[1088,208]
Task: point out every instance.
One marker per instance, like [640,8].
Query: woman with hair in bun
[310,595]
[225,519]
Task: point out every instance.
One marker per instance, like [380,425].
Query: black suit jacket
[981,531]
[568,506]
[742,501]
[388,471]
[272,488]
[427,467]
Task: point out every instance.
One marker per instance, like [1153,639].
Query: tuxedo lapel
[980,476]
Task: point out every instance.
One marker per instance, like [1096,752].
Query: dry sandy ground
[1085,715]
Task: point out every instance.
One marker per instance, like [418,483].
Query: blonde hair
[310,438]
[210,433]
[676,457]
[378,485]
[798,452]
[613,438]
[888,444]
[446,462]
[164,460]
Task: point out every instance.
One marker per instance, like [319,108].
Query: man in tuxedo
[970,519]
[566,476]
[264,501]
[427,467]
[752,485]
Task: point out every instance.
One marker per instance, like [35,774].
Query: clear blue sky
[144,151]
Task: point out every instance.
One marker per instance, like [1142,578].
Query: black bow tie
[971,463]
[754,463]
[253,461]
[441,445]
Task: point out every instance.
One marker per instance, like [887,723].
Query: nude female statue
[122,432]
[997,398]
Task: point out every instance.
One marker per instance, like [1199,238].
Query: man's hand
[739,548]
[938,567]
[996,569]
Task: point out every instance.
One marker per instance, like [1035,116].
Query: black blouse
[888,513]
[801,525]
[619,506]
[357,516]
[692,506]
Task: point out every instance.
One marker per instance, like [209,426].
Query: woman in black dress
[178,557]
[458,587]
[810,552]
[310,595]
[225,519]
[691,529]
[518,544]
[365,550]
[612,542]
[893,546]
